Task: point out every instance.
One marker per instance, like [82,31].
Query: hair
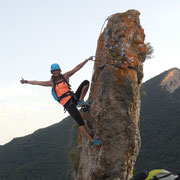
[55,78]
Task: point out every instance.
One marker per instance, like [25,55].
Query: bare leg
[84,91]
[85,132]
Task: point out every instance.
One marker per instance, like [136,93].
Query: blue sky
[34,34]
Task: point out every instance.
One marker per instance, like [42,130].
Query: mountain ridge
[45,152]
[159,125]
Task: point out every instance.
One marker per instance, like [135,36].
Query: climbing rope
[105,22]
[102,28]
[103,25]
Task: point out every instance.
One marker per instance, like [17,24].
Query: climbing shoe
[82,103]
[96,142]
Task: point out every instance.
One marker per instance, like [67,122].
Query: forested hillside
[160,124]
[41,155]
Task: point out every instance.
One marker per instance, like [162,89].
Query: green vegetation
[75,157]
[41,155]
[150,51]
[159,127]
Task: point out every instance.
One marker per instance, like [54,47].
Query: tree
[150,51]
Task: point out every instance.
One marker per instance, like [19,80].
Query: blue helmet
[55,66]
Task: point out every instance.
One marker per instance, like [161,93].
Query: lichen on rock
[115,101]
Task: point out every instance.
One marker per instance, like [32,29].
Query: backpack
[156,174]
[162,174]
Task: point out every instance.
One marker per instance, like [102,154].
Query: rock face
[172,81]
[115,99]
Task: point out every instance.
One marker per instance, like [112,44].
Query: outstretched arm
[41,83]
[78,67]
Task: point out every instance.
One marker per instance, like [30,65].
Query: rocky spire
[115,101]
[171,81]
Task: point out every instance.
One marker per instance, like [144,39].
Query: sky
[36,33]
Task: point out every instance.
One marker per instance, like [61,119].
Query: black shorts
[70,106]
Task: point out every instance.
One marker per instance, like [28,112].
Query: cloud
[15,90]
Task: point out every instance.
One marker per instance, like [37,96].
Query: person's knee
[86,82]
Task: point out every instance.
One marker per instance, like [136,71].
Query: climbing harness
[85,107]
[70,104]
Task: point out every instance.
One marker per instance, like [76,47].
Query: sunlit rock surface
[172,81]
[115,98]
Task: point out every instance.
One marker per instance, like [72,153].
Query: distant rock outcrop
[172,81]
[115,101]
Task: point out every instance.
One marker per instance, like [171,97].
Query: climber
[60,83]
